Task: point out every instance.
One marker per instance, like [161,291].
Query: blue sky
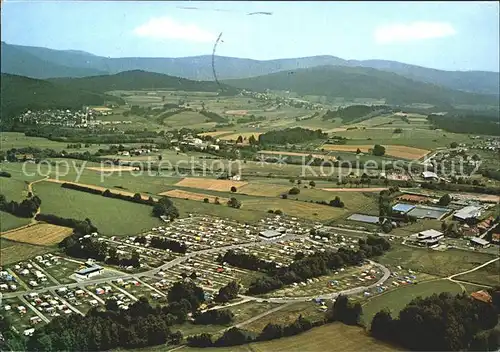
[443,35]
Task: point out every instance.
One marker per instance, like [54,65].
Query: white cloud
[167,28]
[398,33]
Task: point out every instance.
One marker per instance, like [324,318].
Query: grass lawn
[111,216]
[488,275]
[439,263]
[287,315]
[397,299]
[332,338]
[9,221]
[245,311]
[13,188]
[12,252]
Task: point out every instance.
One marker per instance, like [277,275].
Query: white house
[427,238]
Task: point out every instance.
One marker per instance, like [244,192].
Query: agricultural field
[331,337]
[397,299]
[177,193]
[398,151]
[417,138]
[210,184]
[39,234]
[110,216]
[12,252]
[296,208]
[13,188]
[185,118]
[439,263]
[9,222]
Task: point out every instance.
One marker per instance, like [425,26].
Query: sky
[442,35]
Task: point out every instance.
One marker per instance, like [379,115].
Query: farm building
[479,242]
[269,234]
[470,212]
[89,272]
[482,296]
[402,208]
[427,238]
[428,175]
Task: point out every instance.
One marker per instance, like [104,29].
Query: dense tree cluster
[355,112]
[345,311]
[212,116]
[187,293]
[444,200]
[227,292]
[484,122]
[165,243]
[139,326]
[441,323]
[378,150]
[245,261]
[214,317]
[291,135]
[234,203]
[80,228]
[166,207]
[5,174]
[336,202]
[27,208]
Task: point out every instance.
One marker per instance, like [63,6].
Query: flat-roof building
[476,241]
[89,272]
[428,175]
[427,238]
[403,208]
[269,234]
[468,213]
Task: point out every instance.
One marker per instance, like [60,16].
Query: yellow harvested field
[234,136]
[336,129]
[39,234]
[210,184]
[99,188]
[322,156]
[237,112]
[177,193]
[398,151]
[214,133]
[112,168]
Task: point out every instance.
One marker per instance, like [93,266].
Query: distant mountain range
[362,82]
[40,62]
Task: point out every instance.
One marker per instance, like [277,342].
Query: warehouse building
[270,234]
[468,213]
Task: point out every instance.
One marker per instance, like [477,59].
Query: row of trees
[311,266]
[27,208]
[460,188]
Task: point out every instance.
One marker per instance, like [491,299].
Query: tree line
[27,208]
[307,267]
[355,112]
[460,188]
[467,122]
